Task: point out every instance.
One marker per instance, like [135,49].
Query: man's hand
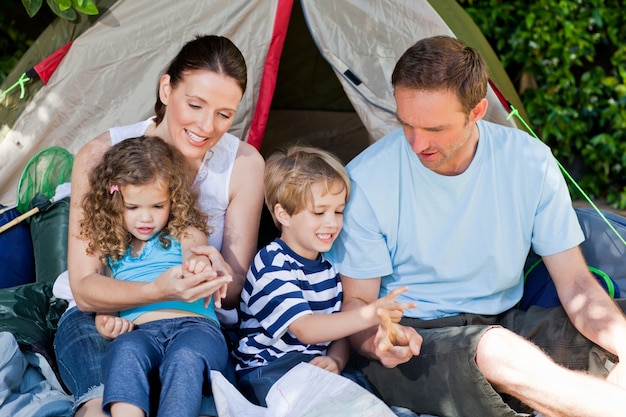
[110,326]
[395,344]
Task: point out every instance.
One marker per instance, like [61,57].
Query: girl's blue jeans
[80,350]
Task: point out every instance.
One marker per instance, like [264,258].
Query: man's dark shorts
[444,379]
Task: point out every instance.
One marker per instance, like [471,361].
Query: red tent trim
[46,67]
[270,71]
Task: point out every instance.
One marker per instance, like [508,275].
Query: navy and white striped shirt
[280,287]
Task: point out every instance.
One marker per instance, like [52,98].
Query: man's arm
[587,304]
[373,342]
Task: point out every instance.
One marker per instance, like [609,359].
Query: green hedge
[568,59]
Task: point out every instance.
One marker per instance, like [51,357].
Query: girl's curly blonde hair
[136,161]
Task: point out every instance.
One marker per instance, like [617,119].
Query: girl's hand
[196,264]
[110,326]
[222,271]
[327,363]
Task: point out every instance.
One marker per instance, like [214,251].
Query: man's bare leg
[515,366]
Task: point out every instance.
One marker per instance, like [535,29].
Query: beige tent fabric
[368,38]
[110,73]
[109,76]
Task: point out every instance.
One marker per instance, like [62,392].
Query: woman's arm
[87,280]
[241,225]
[94,291]
[110,326]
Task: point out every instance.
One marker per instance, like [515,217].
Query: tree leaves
[65,9]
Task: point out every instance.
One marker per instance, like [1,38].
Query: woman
[196,102]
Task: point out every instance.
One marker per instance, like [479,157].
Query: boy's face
[314,229]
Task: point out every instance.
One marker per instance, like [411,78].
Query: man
[450,206]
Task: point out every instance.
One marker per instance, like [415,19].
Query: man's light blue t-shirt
[458,242]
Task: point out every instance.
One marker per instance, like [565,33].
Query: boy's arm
[321,328]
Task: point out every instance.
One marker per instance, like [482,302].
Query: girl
[197,99]
[140,217]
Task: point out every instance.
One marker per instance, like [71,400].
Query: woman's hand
[221,269]
[176,284]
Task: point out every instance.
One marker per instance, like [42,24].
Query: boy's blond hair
[290,173]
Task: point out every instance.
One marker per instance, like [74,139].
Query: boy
[292,296]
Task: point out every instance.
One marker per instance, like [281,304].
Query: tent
[319,71]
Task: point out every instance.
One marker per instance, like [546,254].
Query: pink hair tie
[113,189]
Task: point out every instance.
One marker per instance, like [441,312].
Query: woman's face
[200,109]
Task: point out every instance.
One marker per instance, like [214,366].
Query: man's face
[441,134]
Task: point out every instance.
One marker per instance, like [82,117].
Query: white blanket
[304,391]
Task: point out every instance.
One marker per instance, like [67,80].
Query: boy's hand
[110,326]
[389,304]
[327,363]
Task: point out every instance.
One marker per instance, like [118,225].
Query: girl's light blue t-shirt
[152,262]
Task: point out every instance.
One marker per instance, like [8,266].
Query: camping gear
[39,252]
[63,191]
[17,261]
[31,253]
[47,174]
[603,250]
[42,70]
[108,76]
[31,313]
[49,230]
